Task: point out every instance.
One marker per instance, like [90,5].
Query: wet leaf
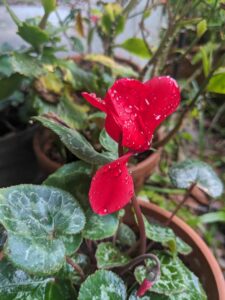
[37,219]
[103,285]
[75,142]
[100,227]
[109,256]
[184,174]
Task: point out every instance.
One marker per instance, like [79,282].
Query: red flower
[112,187]
[144,287]
[134,109]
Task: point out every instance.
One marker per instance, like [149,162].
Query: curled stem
[137,260]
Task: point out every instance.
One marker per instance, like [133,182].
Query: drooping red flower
[112,187]
[134,109]
[144,287]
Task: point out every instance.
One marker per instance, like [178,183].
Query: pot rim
[191,233]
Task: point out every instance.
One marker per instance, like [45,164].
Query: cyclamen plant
[58,244]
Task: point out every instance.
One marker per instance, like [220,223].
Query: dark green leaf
[26,65]
[17,285]
[100,227]
[136,46]
[71,242]
[126,235]
[184,174]
[109,256]
[75,142]
[36,219]
[9,85]
[103,285]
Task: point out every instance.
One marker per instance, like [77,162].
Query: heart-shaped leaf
[74,178]
[16,284]
[136,46]
[187,172]
[37,219]
[176,281]
[71,242]
[103,285]
[109,256]
[126,235]
[100,227]
[166,237]
[75,142]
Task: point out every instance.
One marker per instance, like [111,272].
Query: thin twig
[76,267]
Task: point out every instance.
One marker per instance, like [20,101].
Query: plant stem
[186,196]
[76,267]
[139,259]
[141,224]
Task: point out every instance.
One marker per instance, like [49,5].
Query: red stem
[76,267]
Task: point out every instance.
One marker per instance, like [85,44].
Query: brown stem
[120,146]
[76,267]
[141,224]
[186,196]
[139,259]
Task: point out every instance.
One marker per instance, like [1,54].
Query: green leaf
[100,227]
[212,217]
[18,285]
[136,46]
[166,237]
[71,242]
[9,85]
[74,178]
[109,256]
[103,285]
[26,65]
[107,142]
[117,69]
[205,61]
[36,219]
[184,174]
[201,28]
[68,272]
[49,5]
[217,84]
[147,296]
[33,34]
[171,280]
[75,142]
[126,235]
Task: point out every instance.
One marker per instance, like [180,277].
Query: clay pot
[201,261]
[43,141]
[144,169]
[17,160]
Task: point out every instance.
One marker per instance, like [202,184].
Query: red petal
[95,101]
[126,102]
[164,98]
[144,287]
[112,187]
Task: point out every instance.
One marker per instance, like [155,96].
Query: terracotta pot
[201,261]
[17,160]
[144,169]
[42,142]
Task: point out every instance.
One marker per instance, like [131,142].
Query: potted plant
[60,241]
